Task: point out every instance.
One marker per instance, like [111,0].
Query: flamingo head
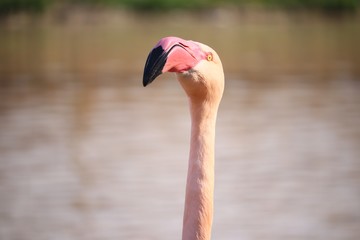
[198,67]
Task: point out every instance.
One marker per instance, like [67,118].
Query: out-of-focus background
[87,153]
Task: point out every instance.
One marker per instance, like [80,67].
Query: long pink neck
[198,211]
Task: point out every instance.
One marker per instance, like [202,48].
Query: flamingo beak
[171,54]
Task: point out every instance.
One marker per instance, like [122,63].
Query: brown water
[108,160]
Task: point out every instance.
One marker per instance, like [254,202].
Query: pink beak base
[182,54]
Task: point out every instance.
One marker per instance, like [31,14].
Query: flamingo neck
[198,213]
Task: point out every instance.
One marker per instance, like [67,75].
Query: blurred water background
[87,153]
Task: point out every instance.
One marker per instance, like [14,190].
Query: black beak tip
[147,78]
[146,81]
[154,65]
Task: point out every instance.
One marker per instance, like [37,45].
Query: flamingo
[199,70]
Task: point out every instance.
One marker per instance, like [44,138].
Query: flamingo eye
[209,57]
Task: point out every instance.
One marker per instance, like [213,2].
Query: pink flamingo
[199,71]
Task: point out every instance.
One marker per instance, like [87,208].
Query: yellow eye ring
[209,57]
